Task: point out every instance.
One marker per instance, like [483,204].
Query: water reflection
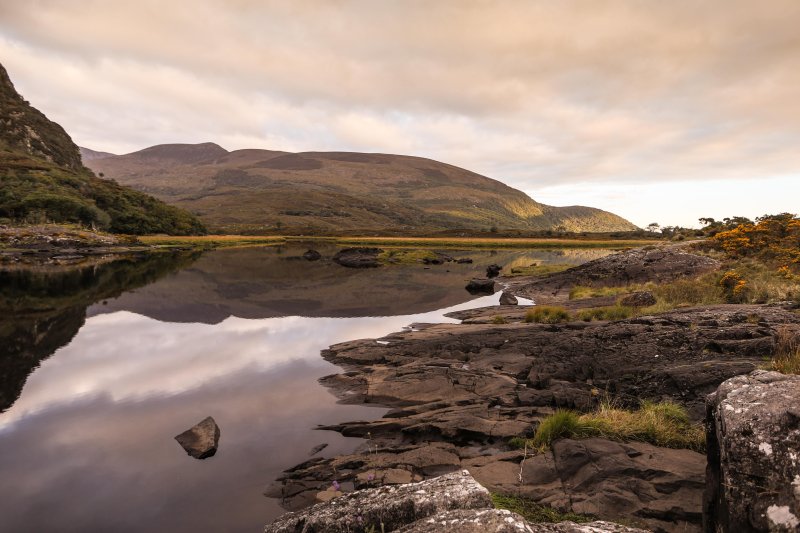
[89,443]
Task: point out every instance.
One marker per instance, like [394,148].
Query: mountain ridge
[43,179]
[260,191]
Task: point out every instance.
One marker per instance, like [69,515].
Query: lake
[101,366]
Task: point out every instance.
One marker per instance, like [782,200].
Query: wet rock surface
[640,265]
[358,257]
[754,454]
[312,255]
[201,440]
[459,392]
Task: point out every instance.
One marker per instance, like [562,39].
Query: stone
[464,261]
[471,521]
[638,299]
[480,286]
[201,440]
[312,255]
[493,270]
[508,299]
[358,257]
[318,448]
[393,506]
[753,434]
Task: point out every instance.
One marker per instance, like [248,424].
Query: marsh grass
[547,314]
[533,512]
[787,352]
[663,424]
[537,271]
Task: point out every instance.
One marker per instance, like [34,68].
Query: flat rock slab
[393,506]
[754,454]
[201,440]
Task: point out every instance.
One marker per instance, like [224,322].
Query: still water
[101,366]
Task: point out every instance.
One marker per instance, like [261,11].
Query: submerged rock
[358,257]
[312,255]
[201,440]
[753,476]
[464,261]
[493,270]
[480,286]
[508,299]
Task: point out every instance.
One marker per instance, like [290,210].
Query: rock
[508,299]
[358,257]
[201,440]
[589,527]
[464,261]
[318,448]
[493,270]
[471,521]
[393,506]
[312,255]
[638,299]
[640,265]
[433,261]
[753,476]
[480,286]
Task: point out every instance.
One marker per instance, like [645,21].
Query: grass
[580,292]
[483,242]
[498,319]
[533,512]
[538,271]
[211,241]
[787,352]
[405,256]
[547,314]
[663,424]
[612,312]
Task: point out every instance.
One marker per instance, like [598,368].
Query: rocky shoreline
[458,393]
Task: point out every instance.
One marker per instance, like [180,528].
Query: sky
[658,111]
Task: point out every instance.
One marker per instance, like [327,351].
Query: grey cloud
[533,93]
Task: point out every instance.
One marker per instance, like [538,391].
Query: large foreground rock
[393,506]
[754,454]
[201,440]
[453,502]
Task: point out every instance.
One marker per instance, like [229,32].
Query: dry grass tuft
[547,314]
[787,352]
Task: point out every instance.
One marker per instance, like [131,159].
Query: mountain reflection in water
[235,334]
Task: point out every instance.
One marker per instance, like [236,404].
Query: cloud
[536,94]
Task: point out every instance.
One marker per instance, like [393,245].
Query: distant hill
[42,178]
[261,191]
[88,155]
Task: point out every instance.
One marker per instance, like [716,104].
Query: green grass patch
[400,256]
[612,312]
[663,424]
[547,314]
[537,271]
[533,512]
[211,241]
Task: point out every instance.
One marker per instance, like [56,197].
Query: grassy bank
[422,242]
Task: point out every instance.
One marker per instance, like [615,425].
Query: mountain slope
[338,192]
[42,178]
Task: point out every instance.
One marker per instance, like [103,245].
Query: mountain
[42,178]
[88,155]
[259,191]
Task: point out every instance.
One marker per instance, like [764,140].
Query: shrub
[579,292]
[498,319]
[547,314]
[787,352]
[613,312]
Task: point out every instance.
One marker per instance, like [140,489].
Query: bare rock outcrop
[753,477]
[392,506]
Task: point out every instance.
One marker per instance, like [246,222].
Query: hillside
[261,191]
[42,178]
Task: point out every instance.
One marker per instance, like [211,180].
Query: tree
[653,227]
